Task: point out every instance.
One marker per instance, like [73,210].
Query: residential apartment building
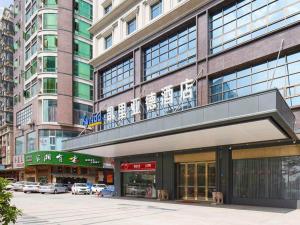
[198,96]
[6,91]
[53,78]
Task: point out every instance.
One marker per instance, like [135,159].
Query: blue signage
[94,120]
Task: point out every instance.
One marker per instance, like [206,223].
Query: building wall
[55,29]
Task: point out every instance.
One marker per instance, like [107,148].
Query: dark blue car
[109,191]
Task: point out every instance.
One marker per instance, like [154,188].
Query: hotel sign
[62,158]
[151,100]
[141,166]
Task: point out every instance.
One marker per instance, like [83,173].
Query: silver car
[53,188]
[31,187]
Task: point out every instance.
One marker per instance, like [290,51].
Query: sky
[4,3]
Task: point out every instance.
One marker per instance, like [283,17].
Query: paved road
[66,209]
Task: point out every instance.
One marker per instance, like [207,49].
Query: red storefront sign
[141,166]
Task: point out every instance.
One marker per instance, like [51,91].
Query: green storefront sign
[62,158]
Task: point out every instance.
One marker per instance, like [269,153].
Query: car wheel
[42,193]
[25,192]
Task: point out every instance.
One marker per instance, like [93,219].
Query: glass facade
[286,77]
[49,110]
[20,145]
[50,42]
[84,9]
[52,139]
[83,70]
[49,85]
[170,54]
[247,19]
[82,49]
[82,29]
[82,90]
[49,64]
[50,21]
[80,111]
[116,79]
[178,105]
[31,139]
[267,178]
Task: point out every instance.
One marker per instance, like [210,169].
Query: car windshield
[31,183]
[81,185]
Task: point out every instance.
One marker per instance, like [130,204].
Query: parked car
[18,186]
[109,191]
[10,185]
[68,186]
[53,188]
[31,187]
[98,188]
[80,188]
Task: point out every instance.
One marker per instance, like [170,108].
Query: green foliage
[8,212]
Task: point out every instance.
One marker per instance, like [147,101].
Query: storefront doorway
[196,181]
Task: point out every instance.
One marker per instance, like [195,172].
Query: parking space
[70,209]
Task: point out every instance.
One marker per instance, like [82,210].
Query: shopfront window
[267,178]
[244,20]
[261,77]
[139,184]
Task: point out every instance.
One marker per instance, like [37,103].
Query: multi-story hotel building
[53,78]
[198,96]
[6,92]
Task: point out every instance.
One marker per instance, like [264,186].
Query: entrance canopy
[260,117]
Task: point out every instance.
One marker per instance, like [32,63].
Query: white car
[18,186]
[98,188]
[53,188]
[80,188]
[31,187]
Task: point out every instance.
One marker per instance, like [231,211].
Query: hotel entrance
[196,181]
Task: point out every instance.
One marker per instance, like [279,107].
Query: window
[117,123]
[20,145]
[82,49]
[31,138]
[286,77]
[50,21]
[84,9]
[82,90]
[245,20]
[82,29]
[108,41]
[131,26]
[49,85]
[49,110]
[107,9]
[50,3]
[52,139]
[117,78]
[156,9]
[83,70]
[24,116]
[49,64]
[50,42]
[267,178]
[170,54]
[31,70]
[81,111]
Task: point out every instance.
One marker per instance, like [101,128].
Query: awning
[259,117]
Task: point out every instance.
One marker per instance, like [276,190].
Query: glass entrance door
[196,181]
